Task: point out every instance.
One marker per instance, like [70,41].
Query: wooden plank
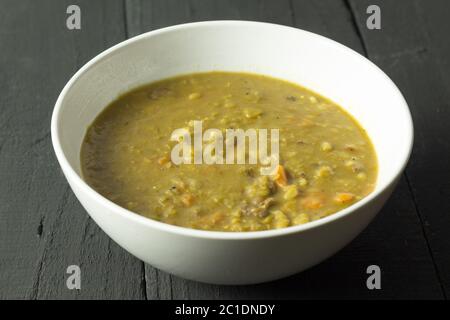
[43,228]
[143,16]
[393,241]
[412,47]
[429,173]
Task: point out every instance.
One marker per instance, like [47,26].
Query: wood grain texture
[43,227]
[148,15]
[412,48]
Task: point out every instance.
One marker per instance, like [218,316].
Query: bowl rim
[78,181]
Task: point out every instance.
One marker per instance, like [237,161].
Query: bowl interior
[317,63]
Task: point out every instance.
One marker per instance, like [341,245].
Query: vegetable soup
[325,161]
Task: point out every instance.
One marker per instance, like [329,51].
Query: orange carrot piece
[311,202]
[344,197]
[280,176]
[187,199]
[163,160]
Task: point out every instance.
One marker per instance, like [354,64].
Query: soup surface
[326,160]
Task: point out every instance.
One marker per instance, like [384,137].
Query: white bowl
[315,62]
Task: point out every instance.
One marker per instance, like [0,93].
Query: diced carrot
[163,160]
[280,177]
[187,199]
[313,201]
[216,217]
[209,220]
[344,197]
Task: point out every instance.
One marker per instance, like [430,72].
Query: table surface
[44,229]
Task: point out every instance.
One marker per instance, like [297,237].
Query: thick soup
[325,162]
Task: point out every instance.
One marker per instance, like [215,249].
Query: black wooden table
[43,228]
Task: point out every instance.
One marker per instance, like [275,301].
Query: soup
[324,162]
